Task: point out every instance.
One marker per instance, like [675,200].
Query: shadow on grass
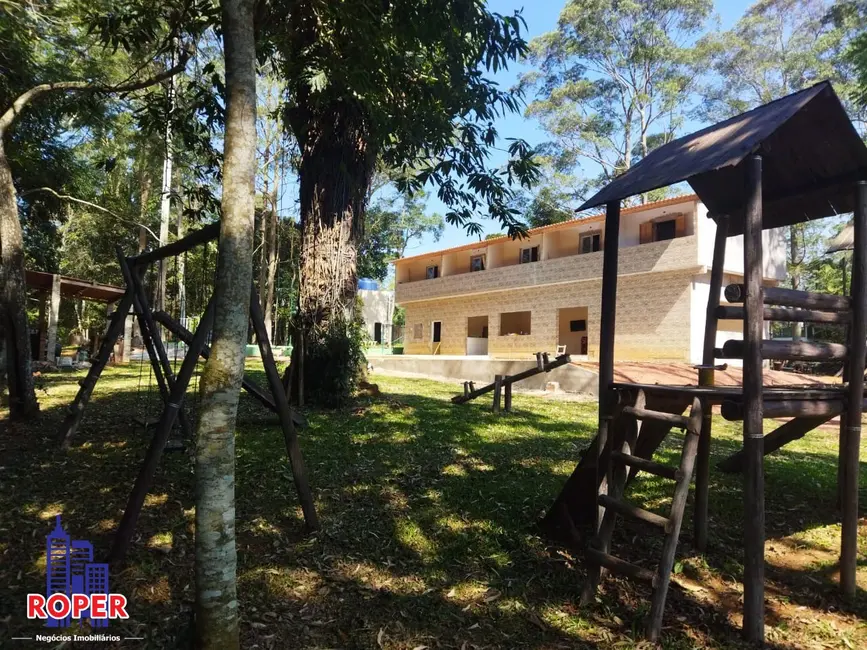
[427,511]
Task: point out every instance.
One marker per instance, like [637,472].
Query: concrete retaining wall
[571,378]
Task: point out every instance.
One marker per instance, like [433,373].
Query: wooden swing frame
[173,386]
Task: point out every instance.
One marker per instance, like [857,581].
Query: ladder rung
[622,567]
[628,510]
[649,466]
[659,416]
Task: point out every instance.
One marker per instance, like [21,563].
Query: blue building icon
[70,570]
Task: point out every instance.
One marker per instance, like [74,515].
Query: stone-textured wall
[653,315]
[656,257]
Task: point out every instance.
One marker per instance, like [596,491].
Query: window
[432,272]
[529,255]
[417,331]
[590,243]
[664,230]
[515,323]
[477,263]
[577,325]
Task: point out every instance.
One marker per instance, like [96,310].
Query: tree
[402,81]
[777,48]
[13,313]
[614,80]
[390,225]
[216,559]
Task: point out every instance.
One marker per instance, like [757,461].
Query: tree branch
[27,97]
[67,197]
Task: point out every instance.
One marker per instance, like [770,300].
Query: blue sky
[541,17]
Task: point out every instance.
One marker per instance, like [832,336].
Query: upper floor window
[432,272]
[477,263]
[529,254]
[662,229]
[591,242]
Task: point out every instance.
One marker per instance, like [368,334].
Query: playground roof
[811,154]
[73,287]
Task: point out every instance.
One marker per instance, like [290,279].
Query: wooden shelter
[792,160]
[51,287]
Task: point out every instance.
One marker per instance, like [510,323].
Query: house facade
[509,298]
[377,311]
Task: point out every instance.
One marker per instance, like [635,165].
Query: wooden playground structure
[792,160]
[173,386]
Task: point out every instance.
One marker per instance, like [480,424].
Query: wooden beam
[792,298]
[754,479]
[156,351]
[607,399]
[786,314]
[788,350]
[785,408]
[852,440]
[195,238]
[76,410]
[784,434]
[173,406]
[706,377]
[290,436]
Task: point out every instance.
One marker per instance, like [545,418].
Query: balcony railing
[672,255]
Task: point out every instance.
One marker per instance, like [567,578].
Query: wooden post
[156,351]
[507,400]
[754,488]
[498,392]
[608,307]
[290,436]
[706,378]
[53,317]
[172,407]
[855,394]
[607,399]
[76,409]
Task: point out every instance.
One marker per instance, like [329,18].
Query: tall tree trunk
[216,560]
[13,299]
[181,274]
[273,252]
[166,198]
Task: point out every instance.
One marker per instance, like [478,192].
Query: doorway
[436,336]
[477,335]
[572,330]
[377,332]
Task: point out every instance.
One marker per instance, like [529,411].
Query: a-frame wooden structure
[173,387]
[789,161]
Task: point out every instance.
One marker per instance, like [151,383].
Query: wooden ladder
[612,504]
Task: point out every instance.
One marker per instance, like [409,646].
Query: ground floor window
[515,322]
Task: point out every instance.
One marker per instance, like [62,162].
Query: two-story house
[511,298]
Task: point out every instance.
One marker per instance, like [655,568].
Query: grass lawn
[427,537]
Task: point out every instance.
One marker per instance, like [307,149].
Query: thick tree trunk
[336,167]
[216,561]
[13,300]
[335,172]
